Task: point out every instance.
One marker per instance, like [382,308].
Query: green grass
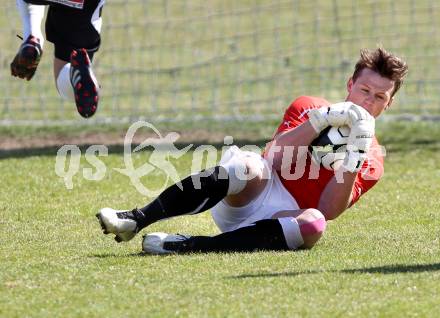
[175,60]
[380,258]
[250,129]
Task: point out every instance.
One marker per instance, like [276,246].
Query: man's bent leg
[194,194]
[61,70]
[257,177]
[84,83]
[26,61]
[76,82]
[31,17]
[284,233]
[309,224]
[263,235]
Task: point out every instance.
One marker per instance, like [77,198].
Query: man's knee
[312,225]
[235,169]
[250,180]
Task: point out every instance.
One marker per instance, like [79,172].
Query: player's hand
[359,140]
[335,115]
[338,114]
[356,114]
[347,113]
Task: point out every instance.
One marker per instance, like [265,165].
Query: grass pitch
[381,258]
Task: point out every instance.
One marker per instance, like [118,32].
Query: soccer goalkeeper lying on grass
[254,199]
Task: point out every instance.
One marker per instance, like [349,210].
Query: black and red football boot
[84,83]
[26,61]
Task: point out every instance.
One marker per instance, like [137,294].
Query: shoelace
[133,214]
[125,215]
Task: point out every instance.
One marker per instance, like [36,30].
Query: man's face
[371,91]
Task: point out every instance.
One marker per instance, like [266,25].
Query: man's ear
[389,103]
[349,84]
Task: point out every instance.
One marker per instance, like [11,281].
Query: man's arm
[302,135]
[336,196]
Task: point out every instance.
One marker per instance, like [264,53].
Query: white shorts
[272,199]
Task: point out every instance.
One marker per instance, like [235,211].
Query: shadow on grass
[395,268]
[281,274]
[387,269]
[114,255]
[116,149]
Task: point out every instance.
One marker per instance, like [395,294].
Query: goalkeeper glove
[359,140]
[335,115]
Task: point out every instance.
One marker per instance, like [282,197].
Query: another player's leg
[199,193]
[84,83]
[286,233]
[26,61]
[76,37]
[75,81]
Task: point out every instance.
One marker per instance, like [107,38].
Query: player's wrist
[318,119]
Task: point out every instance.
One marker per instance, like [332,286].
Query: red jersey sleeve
[296,113]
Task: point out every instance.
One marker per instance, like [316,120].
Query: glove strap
[354,160]
[317,118]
